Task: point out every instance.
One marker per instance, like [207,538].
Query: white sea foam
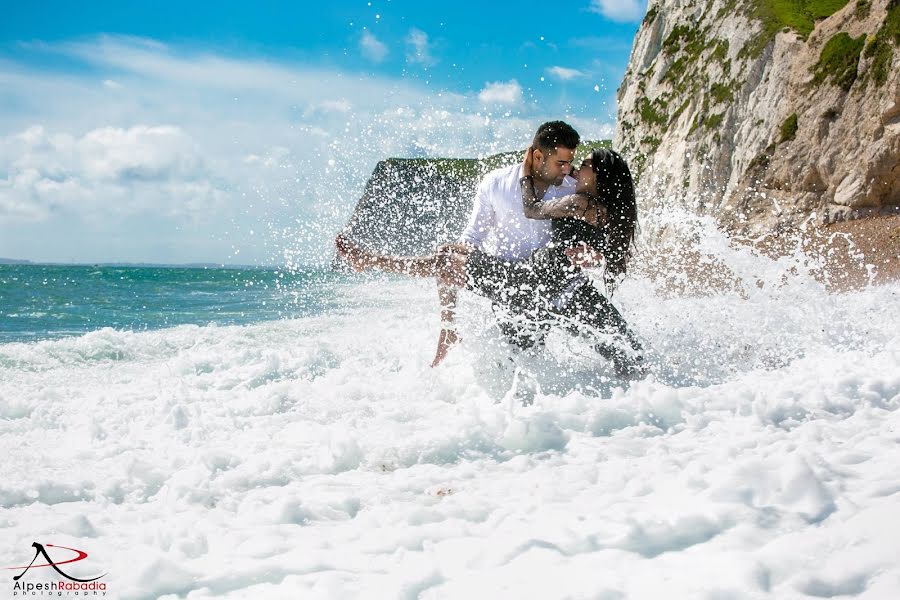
[323,458]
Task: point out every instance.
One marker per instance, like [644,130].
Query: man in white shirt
[498,227]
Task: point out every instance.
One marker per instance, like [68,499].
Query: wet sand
[877,239]
[843,256]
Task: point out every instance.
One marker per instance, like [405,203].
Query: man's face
[553,166]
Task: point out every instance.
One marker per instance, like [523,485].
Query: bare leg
[447,266]
[447,296]
[451,275]
[448,336]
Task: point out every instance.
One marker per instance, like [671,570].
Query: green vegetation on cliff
[714,121]
[777,15]
[586,146]
[689,46]
[880,48]
[882,55]
[839,61]
[721,93]
[654,112]
[789,128]
[891,27]
[801,15]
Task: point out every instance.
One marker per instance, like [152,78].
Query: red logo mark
[39,550]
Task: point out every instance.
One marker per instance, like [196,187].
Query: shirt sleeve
[482,219]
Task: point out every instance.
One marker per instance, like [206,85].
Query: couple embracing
[534,227]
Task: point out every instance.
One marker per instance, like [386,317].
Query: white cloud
[418,48]
[140,152]
[341,106]
[623,11]
[106,173]
[499,92]
[372,48]
[150,61]
[328,107]
[275,157]
[564,73]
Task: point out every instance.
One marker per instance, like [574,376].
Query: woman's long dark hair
[615,189]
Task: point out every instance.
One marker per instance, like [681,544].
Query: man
[497,210]
[499,228]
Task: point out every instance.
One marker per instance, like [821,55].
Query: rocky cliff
[763,112]
[411,205]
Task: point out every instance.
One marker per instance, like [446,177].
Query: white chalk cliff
[762,112]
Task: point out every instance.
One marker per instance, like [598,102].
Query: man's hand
[447,340]
[528,162]
[584,256]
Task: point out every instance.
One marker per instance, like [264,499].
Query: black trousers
[588,311]
[591,308]
[521,291]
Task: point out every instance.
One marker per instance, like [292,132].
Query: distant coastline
[130,265]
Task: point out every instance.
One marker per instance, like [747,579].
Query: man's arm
[482,219]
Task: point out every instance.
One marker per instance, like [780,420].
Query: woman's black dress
[547,288]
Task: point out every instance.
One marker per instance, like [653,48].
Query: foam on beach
[322,458]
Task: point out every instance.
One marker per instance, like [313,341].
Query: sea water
[237,433]
[51,301]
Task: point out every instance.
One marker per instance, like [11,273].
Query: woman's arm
[578,206]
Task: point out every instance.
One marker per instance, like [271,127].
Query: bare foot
[352,254]
[448,339]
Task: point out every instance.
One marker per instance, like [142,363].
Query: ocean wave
[324,451]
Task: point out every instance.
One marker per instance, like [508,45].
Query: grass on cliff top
[776,15]
[801,15]
[474,168]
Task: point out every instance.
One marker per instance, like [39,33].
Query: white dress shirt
[498,225]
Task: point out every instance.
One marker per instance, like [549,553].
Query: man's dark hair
[553,134]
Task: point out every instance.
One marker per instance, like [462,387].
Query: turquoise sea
[39,302]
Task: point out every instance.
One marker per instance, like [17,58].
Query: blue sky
[235,133]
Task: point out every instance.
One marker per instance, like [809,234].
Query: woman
[597,221]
